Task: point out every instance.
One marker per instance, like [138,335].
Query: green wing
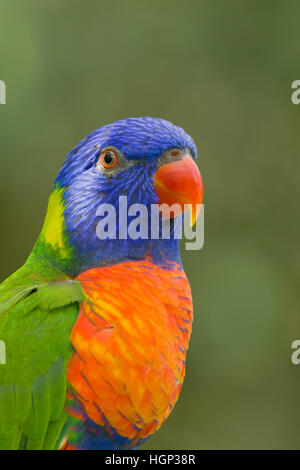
[36,319]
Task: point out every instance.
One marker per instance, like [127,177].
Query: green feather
[38,307]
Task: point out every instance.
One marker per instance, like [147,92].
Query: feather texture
[130,344]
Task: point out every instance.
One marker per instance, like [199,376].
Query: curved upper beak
[179,183]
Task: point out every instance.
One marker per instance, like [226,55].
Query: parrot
[96,329]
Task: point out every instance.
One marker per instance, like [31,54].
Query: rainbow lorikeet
[96,330]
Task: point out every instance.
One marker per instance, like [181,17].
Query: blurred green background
[223,71]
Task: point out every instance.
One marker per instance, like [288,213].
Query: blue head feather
[142,139]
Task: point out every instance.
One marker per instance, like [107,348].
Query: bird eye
[108,159]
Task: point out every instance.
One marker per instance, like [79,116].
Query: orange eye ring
[108,159]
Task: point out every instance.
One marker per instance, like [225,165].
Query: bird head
[148,160]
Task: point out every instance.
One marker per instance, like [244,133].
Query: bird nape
[96,324]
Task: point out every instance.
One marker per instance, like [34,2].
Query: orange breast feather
[130,344]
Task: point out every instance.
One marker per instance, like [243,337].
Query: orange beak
[179,183]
